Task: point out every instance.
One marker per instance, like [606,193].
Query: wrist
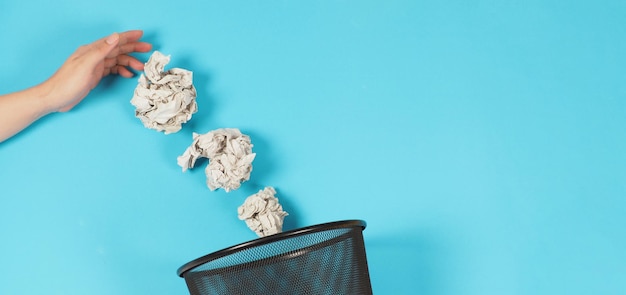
[44,98]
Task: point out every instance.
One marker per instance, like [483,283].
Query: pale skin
[73,81]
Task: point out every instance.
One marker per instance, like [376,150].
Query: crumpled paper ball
[164,100]
[262,213]
[230,157]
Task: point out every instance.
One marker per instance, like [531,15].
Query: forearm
[20,109]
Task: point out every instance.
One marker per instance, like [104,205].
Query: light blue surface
[483,142]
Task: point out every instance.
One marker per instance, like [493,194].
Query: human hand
[84,69]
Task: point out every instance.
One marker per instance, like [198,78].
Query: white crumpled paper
[164,100]
[230,157]
[262,213]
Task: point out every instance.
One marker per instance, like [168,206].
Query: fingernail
[112,39]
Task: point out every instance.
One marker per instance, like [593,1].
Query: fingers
[130,36]
[120,66]
[122,71]
[119,44]
[119,70]
[93,54]
[101,48]
[124,60]
[135,47]
[129,42]
[117,60]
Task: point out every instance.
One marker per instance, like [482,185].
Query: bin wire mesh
[322,259]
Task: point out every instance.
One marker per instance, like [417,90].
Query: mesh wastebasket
[327,258]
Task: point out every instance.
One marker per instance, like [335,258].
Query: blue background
[483,142]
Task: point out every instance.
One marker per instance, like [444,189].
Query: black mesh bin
[327,258]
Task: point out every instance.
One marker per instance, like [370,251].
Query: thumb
[112,39]
[103,47]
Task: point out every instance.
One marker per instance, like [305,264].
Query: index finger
[130,36]
[134,47]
